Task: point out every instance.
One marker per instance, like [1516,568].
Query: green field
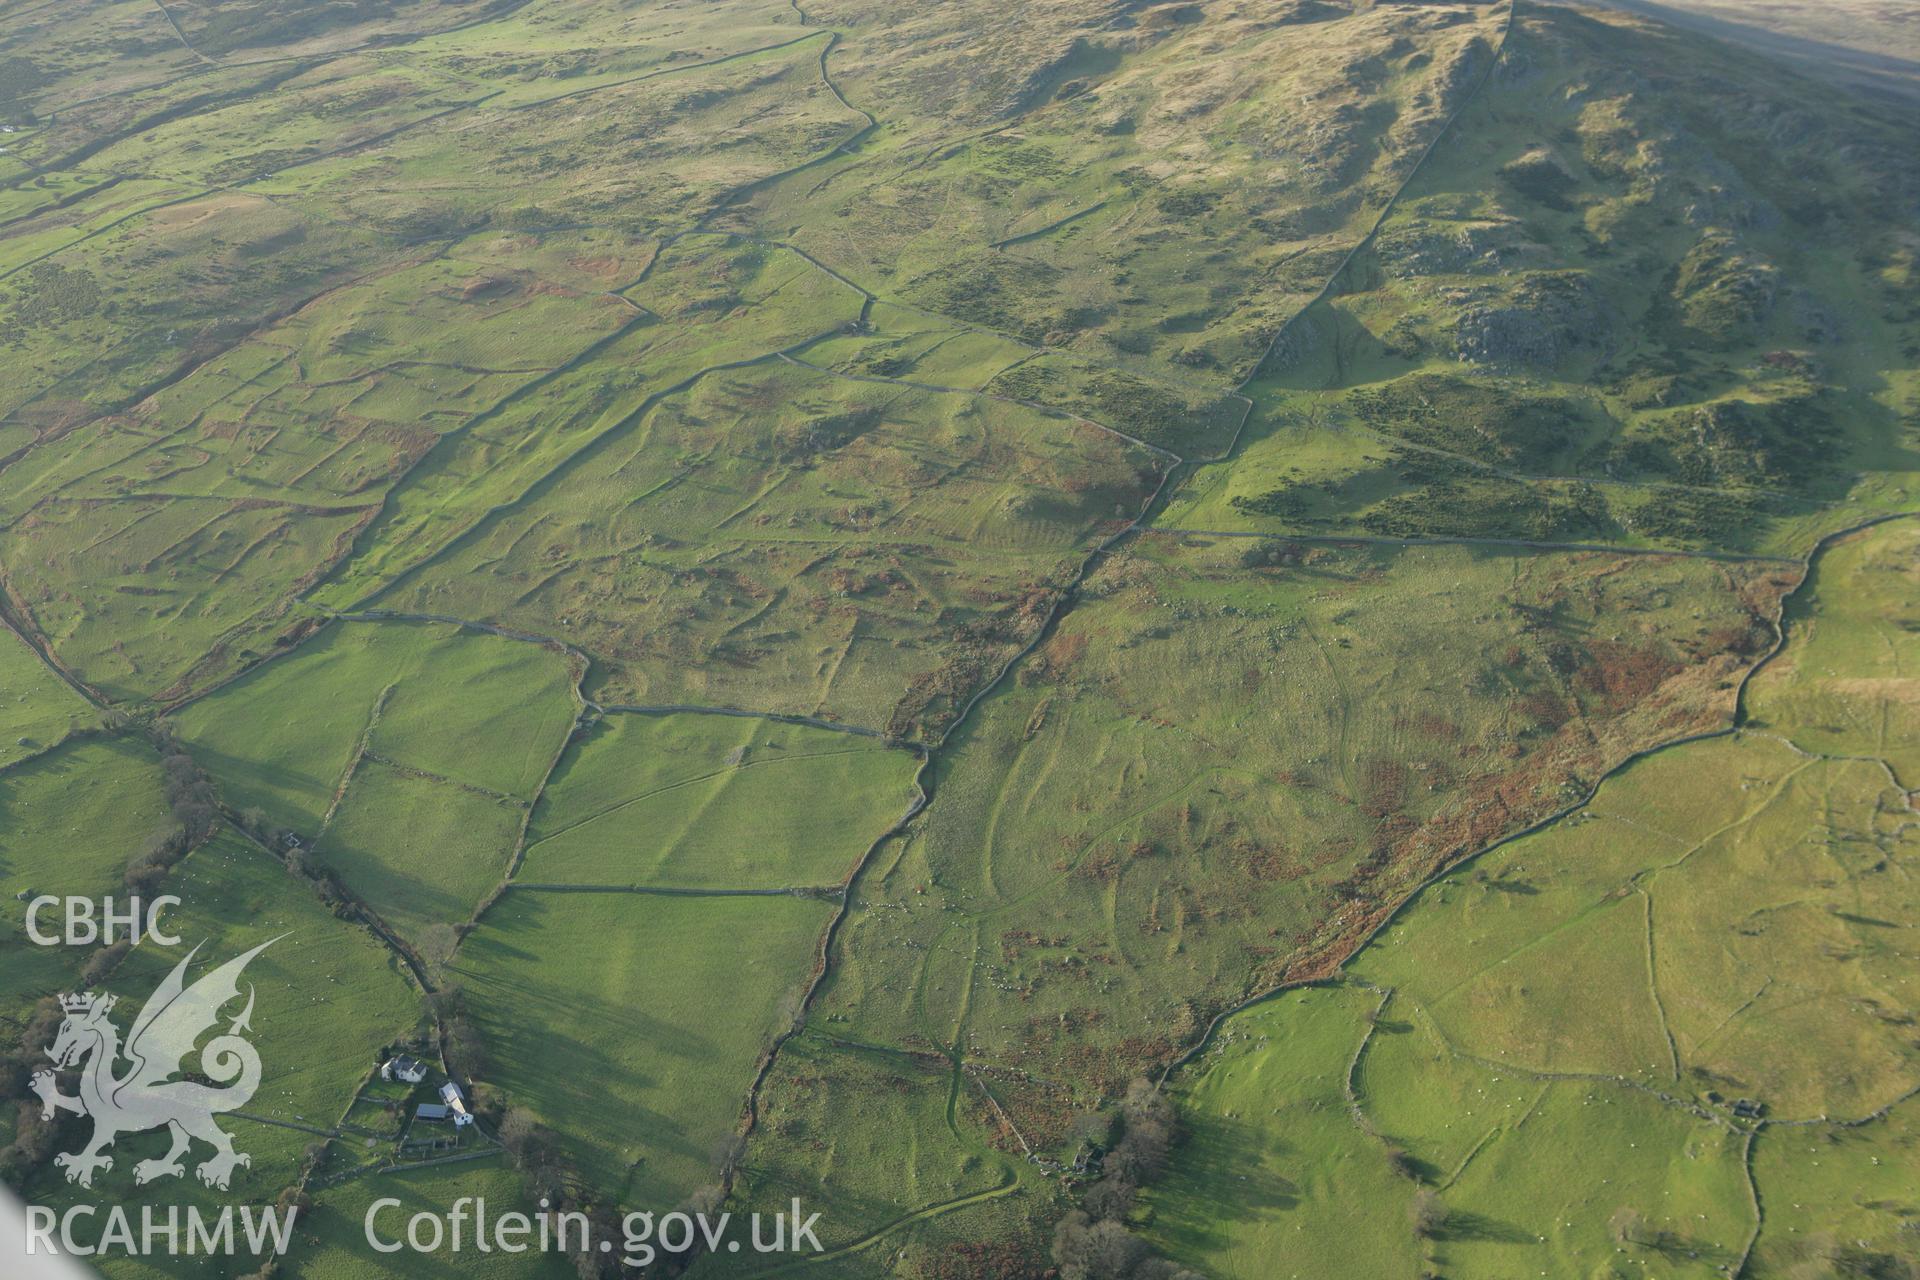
[1837,1196]
[1847,686]
[405,755]
[715,802]
[335,1246]
[40,710]
[419,851]
[903,1157]
[632,1024]
[1275,1177]
[1592,998]
[77,814]
[474,710]
[73,818]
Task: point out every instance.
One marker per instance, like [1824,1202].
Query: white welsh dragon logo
[146,1096]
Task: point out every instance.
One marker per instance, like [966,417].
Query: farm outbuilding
[456,1103]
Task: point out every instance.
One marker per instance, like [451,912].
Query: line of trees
[34,1139]
[548,1174]
[465,1050]
[1093,1242]
[196,811]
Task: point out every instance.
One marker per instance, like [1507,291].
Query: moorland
[1132,638]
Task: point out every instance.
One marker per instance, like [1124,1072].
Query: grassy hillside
[1636,298]
[800,591]
[1582,1053]
[715,802]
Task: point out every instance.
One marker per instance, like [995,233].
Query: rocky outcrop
[1544,320]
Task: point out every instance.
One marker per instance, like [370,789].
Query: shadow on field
[1220,1163]
[557,1047]
[1463,1226]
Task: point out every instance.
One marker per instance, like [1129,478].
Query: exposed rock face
[1725,289]
[1718,197]
[1450,249]
[1292,346]
[1545,319]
